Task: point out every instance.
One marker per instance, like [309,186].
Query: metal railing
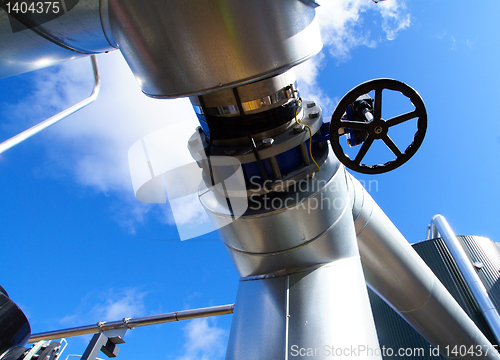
[26,134]
[130,323]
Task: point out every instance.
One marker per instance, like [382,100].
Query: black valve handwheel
[378,128]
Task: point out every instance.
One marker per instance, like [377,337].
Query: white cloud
[130,304]
[104,131]
[93,143]
[307,80]
[453,43]
[100,134]
[109,306]
[394,18]
[341,25]
[346,24]
[204,340]
[343,28]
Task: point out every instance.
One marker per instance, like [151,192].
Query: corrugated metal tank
[394,333]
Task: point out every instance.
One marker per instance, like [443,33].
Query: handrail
[26,134]
[127,323]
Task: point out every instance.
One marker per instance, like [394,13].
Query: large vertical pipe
[302,292]
[318,313]
[398,275]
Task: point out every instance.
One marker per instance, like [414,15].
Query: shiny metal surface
[259,318]
[254,97]
[179,48]
[26,134]
[268,102]
[264,103]
[27,51]
[14,326]
[432,232]
[135,322]
[398,275]
[75,34]
[290,219]
[319,308]
[79,29]
[106,27]
[337,315]
[302,285]
[439,224]
[330,246]
[302,228]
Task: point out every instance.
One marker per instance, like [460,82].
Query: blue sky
[78,248]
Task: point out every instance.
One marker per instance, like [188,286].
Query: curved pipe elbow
[398,275]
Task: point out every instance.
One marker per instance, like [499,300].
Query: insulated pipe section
[180,48]
[439,225]
[324,308]
[174,48]
[301,283]
[398,275]
[307,225]
[74,30]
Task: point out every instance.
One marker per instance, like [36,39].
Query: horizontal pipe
[134,322]
[395,271]
[26,134]
[439,226]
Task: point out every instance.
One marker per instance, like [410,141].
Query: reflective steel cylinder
[307,225]
[316,313]
[178,48]
[73,32]
[302,284]
[174,48]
